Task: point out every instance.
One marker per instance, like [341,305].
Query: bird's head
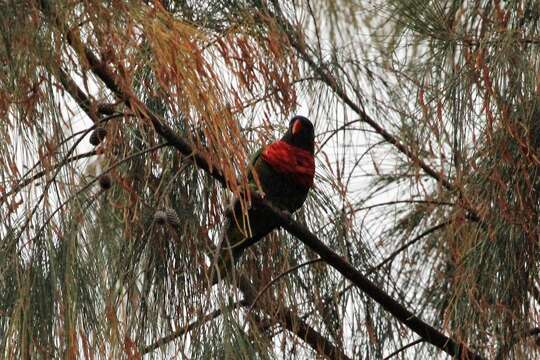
[301,134]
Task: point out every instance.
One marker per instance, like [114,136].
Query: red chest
[295,162]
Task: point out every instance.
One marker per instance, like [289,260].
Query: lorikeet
[285,170]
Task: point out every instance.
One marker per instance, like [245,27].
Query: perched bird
[285,171]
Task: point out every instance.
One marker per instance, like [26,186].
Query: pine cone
[172,217]
[105,181]
[160,217]
[97,136]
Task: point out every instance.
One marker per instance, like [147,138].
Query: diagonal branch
[402,314]
[403,348]
[86,102]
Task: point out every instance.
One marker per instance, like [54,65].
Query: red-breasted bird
[285,170]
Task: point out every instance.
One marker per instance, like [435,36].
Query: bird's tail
[240,233]
[227,252]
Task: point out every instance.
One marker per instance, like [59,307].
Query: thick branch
[83,100]
[426,331]
[75,91]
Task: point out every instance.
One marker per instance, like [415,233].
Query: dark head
[301,134]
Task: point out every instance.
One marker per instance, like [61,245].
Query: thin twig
[189,327]
[395,202]
[46,189]
[274,280]
[335,131]
[296,325]
[87,186]
[403,348]
[40,174]
[407,245]
[505,349]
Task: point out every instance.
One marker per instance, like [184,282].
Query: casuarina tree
[269,179]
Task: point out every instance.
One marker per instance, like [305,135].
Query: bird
[285,170]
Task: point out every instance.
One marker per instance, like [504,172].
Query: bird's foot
[259,195]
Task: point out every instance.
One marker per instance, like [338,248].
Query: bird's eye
[297,126]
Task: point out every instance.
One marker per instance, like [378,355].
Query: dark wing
[253,164]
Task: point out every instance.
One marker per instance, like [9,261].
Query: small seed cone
[172,217]
[160,217]
[97,136]
[105,181]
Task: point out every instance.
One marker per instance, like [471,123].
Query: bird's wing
[253,163]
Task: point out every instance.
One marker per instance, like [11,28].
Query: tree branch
[426,331]
[25,182]
[403,348]
[504,350]
[408,244]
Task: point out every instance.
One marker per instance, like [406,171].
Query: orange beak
[297,126]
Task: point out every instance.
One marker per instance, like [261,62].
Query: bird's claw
[260,194]
[257,197]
